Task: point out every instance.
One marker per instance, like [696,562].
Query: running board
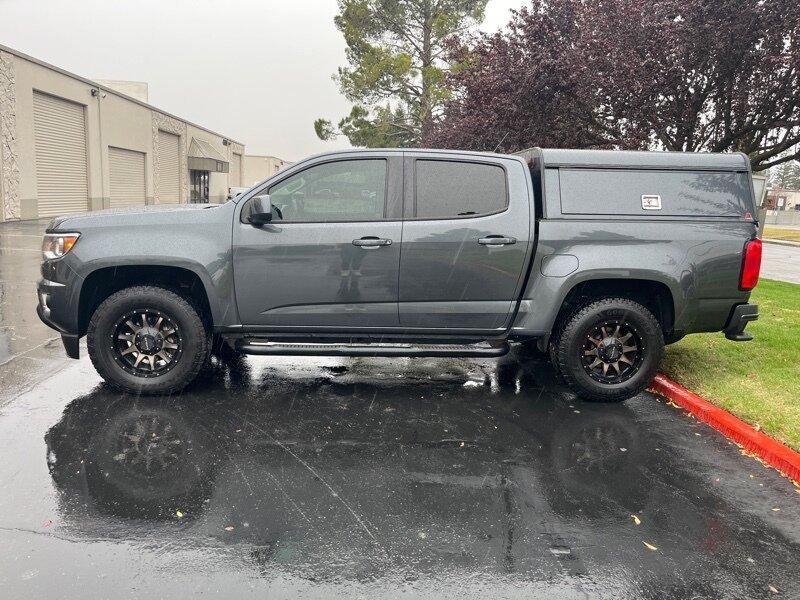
[385,350]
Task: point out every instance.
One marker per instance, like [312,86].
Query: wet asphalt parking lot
[291,477]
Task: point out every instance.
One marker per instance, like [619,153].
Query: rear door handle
[370,242]
[497,240]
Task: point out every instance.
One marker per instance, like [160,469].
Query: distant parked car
[598,257]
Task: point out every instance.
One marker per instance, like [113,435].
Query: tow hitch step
[409,350]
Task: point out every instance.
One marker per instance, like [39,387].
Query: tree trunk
[425,101]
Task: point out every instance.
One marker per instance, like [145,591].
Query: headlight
[56,245]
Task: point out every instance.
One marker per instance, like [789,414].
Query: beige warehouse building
[258,168]
[70,144]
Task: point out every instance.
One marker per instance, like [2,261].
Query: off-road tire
[195,340]
[568,346]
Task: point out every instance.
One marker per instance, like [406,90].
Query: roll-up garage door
[236,170]
[169,168]
[127,177]
[60,142]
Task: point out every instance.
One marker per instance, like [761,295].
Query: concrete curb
[771,451]
[781,242]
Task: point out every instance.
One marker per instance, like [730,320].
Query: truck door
[331,255]
[466,234]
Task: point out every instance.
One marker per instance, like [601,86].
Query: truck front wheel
[609,350]
[147,340]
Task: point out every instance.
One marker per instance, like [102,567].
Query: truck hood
[133,215]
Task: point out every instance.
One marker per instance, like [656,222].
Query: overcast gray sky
[258,71]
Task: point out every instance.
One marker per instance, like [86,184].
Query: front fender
[198,241]
[217,281]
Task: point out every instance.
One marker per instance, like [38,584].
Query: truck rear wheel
[609,350]
[147,340]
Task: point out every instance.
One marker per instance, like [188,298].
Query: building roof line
[147,83]
[109,90]
[266,156]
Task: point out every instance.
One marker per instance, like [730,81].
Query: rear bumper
[741,315]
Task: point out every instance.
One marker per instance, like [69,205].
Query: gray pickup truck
[598,258]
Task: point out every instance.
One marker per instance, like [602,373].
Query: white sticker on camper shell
[651,202]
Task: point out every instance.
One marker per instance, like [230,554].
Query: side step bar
[387,350]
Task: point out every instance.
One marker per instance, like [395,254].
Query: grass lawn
[758,381]
[778,233]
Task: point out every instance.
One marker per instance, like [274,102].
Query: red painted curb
[769,450]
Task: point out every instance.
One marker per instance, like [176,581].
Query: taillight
[751,265]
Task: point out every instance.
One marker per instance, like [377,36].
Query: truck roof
[554,157]
[558,157]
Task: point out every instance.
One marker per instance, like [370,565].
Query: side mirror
[260,211]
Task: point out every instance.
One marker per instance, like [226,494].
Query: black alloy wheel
[613,351]
[146,342]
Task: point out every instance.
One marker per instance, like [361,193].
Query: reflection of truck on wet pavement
[339,494]
[352,479]
[598,257]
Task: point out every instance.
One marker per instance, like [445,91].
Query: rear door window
[447,189]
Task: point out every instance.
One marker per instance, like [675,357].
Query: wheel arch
[653,294]
[186,280]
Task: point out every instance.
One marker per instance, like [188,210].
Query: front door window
[342,191]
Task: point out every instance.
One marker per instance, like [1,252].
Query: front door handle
[370,242]
[497,240]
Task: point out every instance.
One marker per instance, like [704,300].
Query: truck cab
[387,242]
